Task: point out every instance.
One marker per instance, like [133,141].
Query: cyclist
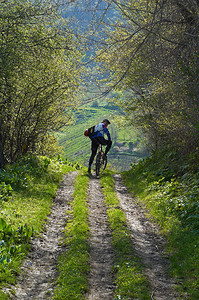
[98,138]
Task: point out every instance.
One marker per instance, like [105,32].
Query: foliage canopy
[152,54]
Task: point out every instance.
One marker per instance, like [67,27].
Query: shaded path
[101,261]
[38,272]
[148,245]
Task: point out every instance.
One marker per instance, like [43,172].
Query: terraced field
[126,145]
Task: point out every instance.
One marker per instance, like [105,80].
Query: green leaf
[2,224]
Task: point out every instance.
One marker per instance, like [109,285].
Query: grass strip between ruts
[73,265]
[129,278]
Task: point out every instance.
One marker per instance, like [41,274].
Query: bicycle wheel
[97,164]
[103,163]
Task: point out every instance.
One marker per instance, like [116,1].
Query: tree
[152,54]
[39,75]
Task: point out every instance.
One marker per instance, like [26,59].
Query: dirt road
[38,273]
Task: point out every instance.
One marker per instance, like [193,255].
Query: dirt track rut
[148,244]
[101,262]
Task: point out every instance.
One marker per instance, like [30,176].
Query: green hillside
[126,148]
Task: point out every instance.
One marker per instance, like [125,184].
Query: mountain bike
[101,161]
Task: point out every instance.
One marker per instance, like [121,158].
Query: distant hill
[127,147]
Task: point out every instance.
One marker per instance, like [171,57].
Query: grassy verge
[26,192]
[73,264]
[130,281]
[169,190]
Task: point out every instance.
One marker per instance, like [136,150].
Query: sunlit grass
[31,203]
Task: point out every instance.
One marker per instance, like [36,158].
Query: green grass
[73,265]
[3,296]
[33,193]
[27,190]
[130,281]
[172,202]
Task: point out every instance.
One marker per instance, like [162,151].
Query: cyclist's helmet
[105,120]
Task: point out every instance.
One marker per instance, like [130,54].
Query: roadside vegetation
[128,269]
[167,185]
[39,76]
[26,193]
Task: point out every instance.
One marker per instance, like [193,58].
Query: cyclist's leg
[109,144]
[94,147]
[104,142]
